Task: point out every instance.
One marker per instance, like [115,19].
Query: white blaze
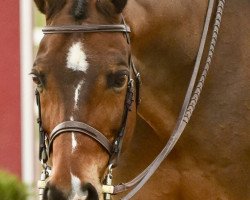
[77,94]
[77,59]
[74,142]
[77,193]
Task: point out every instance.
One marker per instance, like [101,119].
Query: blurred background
[20,35]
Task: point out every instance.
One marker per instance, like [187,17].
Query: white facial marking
[77,59]
[71,118]
[77,193]
[74,142]
[76,183]
[77,94]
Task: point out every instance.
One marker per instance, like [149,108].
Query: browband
[88,28]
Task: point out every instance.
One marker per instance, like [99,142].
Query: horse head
[82,78]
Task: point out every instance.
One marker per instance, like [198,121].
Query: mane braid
[80,9]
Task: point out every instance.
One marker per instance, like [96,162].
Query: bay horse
[85,78]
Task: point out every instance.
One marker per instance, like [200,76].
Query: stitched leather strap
[79,127]
[187,107]
[88,28]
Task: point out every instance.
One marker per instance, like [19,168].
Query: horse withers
[84,77]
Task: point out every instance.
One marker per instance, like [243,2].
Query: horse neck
[165,45]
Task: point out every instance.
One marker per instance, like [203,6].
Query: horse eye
[117,80]
[38,81]
[120,80]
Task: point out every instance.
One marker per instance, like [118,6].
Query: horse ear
[40,5]
[119,5]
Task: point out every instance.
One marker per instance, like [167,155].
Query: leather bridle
[113,149]
[190,101]
[83,128]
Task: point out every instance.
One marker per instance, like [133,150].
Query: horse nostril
[91,191]
[52,193]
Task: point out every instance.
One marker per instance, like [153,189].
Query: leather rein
[190,101]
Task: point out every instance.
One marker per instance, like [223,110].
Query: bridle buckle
[108,188]
[41,184]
